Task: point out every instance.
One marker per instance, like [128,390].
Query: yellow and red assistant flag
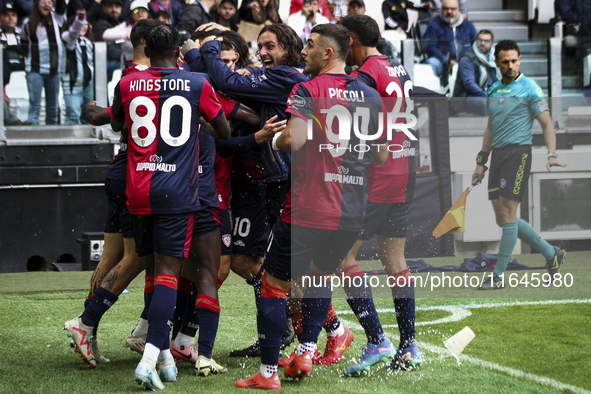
[454,220]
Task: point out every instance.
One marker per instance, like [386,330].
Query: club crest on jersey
[227,240]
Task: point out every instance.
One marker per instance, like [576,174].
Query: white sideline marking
[460,312]
[456,311]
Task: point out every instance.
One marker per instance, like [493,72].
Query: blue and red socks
[403,293]
[161,310]
[332,322]
[360,299]
[148,293]
[98,305]
[183,305]
[208,313]
[271,322]
[315,306]
[256,284]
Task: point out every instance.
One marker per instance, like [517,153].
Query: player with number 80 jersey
[163,106]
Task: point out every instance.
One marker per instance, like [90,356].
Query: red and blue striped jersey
[393,181]
[162,107]
[329,184]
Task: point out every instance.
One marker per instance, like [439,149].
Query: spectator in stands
[260,11]
[356,7]
[195,13]
[173,7]
[23,9]
[477,72]
[296,5]
[226,15]
[385,47]
[576,14]
[395,15]
[108,19]
[448,37]
[337,8]
[163,16]
[432,9]
[13,54]
[121,32]
[41,34]
[305,19]
[92,8]
[77,77]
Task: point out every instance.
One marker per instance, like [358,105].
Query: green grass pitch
[526,341]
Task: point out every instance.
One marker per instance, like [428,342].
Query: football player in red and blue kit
[258,198]
[160,106]
[111,276]
[324,209]
[391,190]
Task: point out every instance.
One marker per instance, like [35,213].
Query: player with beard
[261,194]
[324,209]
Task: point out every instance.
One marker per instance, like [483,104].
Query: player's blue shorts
[118,217]
[389,220]
[223,216]
[205,221]
[249,214]
[168,235]
[276,193]
[292,248]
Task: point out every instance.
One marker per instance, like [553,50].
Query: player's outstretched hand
[211,38]
[211,26]
[553,162]
[188,45]
[478,173]
[269,130]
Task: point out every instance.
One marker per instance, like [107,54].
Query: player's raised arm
[95,115]
[247,115]
[218,129]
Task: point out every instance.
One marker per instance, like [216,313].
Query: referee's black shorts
[510,167]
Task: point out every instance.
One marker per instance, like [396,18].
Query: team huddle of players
[191,154]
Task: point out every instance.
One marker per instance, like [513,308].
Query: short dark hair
[162,41]
[162,13]
[139,30]
[233,2]
[337,34]
[201,34]
[238,44]
[289,41]
[364,27]
[484,31]
[506,45]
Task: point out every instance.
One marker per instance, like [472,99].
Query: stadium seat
[426,78]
